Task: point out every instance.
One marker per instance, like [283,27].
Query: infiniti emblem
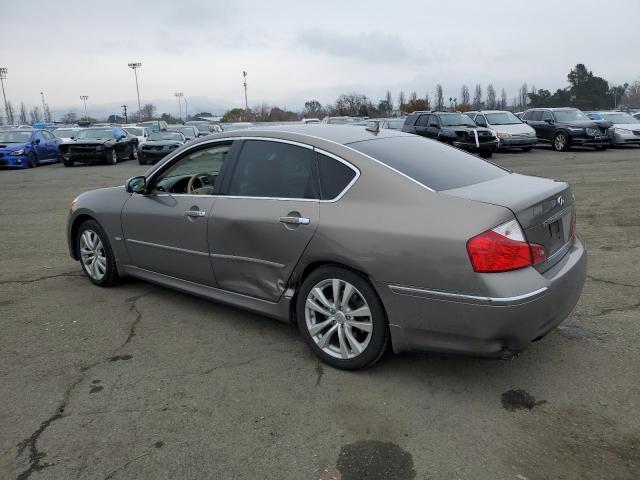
[560,200]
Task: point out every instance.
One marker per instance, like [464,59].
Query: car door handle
[194,213]
[295,220]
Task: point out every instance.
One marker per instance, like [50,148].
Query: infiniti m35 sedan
[360,237]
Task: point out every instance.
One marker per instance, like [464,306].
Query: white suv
[510,130]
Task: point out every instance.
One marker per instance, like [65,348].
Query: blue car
[27,148]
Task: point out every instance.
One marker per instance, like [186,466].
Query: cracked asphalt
[141,382]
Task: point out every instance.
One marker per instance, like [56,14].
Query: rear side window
[334,177]
[431,163]
[273,169]
[423,120]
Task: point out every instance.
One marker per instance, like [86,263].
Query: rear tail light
[503,248]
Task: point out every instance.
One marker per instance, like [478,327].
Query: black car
[158,145]
[102,144]
[456,129]
[567,127]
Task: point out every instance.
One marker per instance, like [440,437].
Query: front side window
[196,173]
[334,177]
[546,116]
[481,121]
[570,116]
[47,135]
[273,169]
[423,121]
[433,121]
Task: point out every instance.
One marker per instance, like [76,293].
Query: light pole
[134,66]
[186,108]
[246,103]
[84,98]
[44,108]
[3,76]
[178,95]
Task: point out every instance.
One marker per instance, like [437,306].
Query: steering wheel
[200,177]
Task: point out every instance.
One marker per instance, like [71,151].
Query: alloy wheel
[338,318]
[92,255]
[114,157]
[560,142]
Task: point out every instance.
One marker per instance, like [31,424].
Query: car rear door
[266,217]
[165,230]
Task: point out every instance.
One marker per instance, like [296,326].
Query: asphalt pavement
[141,382]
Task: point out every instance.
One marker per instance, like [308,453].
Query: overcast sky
[298,50]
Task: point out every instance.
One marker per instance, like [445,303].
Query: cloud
[367,47]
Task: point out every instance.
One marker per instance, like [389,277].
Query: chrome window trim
[167,247]
[438,294]
[269,139]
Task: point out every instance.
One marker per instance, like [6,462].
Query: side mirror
[37,141]
[549,120]
[136,185]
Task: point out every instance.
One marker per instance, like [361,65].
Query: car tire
[141,161]
[67,163]
[32,161]
[113,157]
[341,339]
[560,142]
[486,154]
[102,270]
[134,153]
[526,149]
[601,147]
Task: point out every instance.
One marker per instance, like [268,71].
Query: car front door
[421,125]
[51,143]
[264,221]
[40,145]
[433,129]
[546,127]
[534,120]
[165,230]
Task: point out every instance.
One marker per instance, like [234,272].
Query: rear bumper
[492,326]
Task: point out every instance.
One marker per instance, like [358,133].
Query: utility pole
[246,103]
[84,98]
[186,105]
[134,66]
[178,96]
[124,111]
[3,76]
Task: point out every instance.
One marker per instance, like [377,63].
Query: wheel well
[312,267]
[79,220]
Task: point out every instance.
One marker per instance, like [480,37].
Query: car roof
[488,111]
[31,130]
[341,134]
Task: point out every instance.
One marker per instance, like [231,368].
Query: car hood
[162,143]
[10,147]
[586,124]
[89,142]
[517,128]
[627,126]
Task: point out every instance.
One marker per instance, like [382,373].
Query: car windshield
[186,131]
[136,131]
[177,136]
[14,137]
[65,132]
[430,163]
[457,119]
[95,134]
[570,116]
[203,126]
[396,124]
[502,118]
[152,126]
[341,121]
[620,118]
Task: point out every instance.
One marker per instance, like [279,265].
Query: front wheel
[134,153]
[561,142]
[32,160]
[112,157]
[601,147]
[526,149]
[485,153]
[96,256]
[67,163]
[341,318]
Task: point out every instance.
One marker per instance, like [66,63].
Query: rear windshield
[433,164]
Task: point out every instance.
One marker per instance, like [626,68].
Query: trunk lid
[543,207]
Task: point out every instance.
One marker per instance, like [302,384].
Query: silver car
[360,237]
[625,128]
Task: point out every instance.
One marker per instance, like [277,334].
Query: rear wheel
[561,142]
[341,318]
[96,256]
